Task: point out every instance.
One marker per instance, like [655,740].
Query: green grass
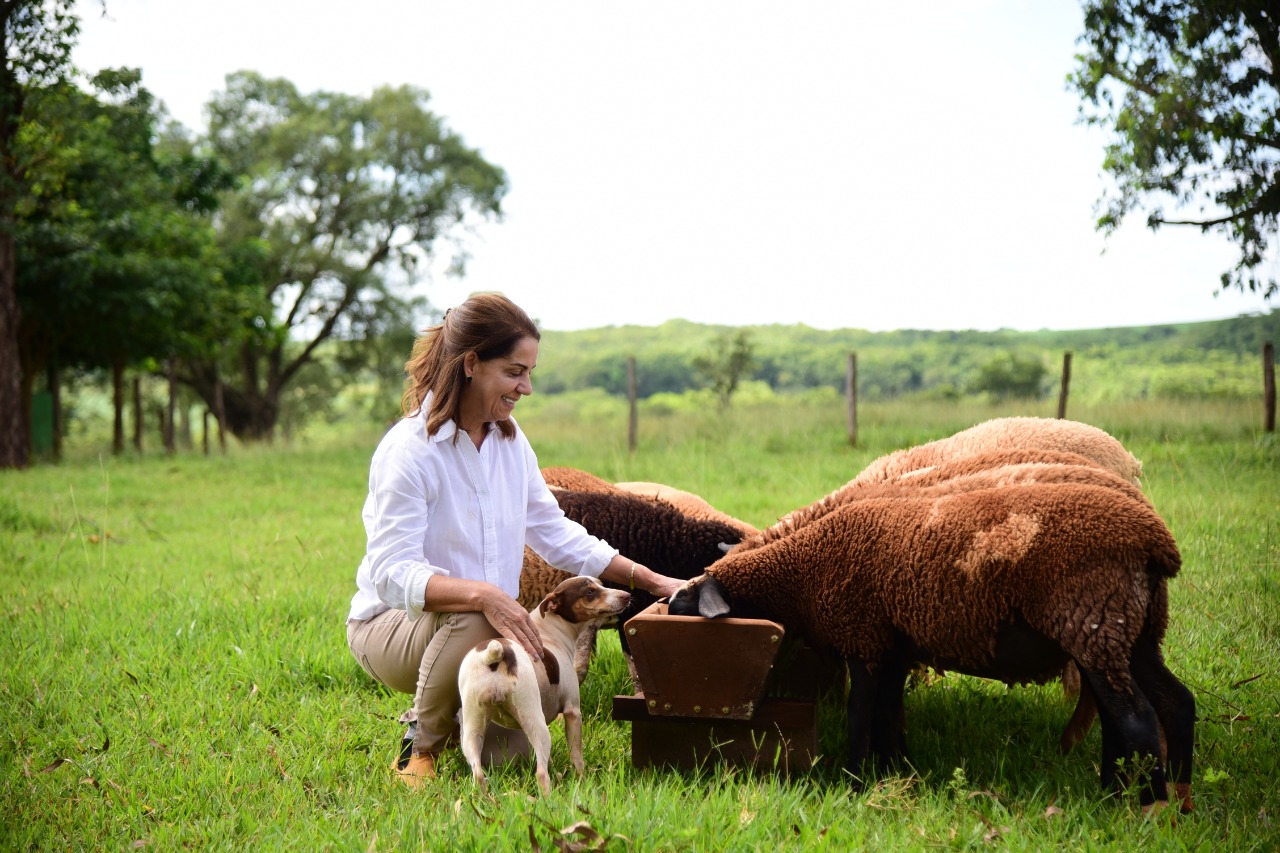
[175,672]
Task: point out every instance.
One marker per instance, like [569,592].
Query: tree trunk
[220,411]
[170,405]
[14,442]
[139,414]
[117,404]
[14,419]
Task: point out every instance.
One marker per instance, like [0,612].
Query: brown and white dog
[499,682]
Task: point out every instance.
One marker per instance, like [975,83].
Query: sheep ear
[711,600]
[725,547]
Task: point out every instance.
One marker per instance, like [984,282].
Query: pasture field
[175,674]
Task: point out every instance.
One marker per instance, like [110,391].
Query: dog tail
[492,653]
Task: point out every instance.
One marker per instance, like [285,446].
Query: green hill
[1216,359]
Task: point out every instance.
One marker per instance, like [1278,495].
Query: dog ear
[550,604]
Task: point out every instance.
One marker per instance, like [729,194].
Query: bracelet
[631,582]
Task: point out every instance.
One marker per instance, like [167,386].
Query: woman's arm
[624,571]
[445,594]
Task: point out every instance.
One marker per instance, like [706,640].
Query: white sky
[837,164]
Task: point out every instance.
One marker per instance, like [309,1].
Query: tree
[1010,375]
[1191,91]
[732,358]
[38,35]
[118,264]
[346,196]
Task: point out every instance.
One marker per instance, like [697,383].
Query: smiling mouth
[508,401]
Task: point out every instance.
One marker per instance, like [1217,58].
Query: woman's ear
[469,363]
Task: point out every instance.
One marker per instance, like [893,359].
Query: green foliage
[1011,376]
[342,197]
[1216,358]
[177,676]
[730,360]
[1191,93]
[116,262]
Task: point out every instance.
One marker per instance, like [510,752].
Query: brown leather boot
[421,766]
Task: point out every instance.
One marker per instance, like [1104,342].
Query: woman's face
[498,384]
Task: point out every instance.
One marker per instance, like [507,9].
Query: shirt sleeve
[558,539]
[396,516]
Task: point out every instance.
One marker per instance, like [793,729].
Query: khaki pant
[422,658]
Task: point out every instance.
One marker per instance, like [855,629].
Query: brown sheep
[1009,434]
[1006,583]
[984,470]
[687,502]
[575,479]
[965,473]
[654,533]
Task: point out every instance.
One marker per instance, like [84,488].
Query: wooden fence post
[1269,386]
[851,396]
[1066,384]
[631,401]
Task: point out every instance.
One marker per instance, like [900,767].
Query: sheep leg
[1175,706]
[887,741]
[1082,719]
[1135,732]
[859,713]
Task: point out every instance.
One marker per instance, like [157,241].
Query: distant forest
[1210,359]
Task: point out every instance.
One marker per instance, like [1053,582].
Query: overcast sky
[837,164]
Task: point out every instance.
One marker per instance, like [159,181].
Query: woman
[455,493]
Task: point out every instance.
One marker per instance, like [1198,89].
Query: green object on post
[42,422]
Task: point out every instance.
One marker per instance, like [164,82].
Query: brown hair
[488,324]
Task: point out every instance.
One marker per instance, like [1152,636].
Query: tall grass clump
[175,672]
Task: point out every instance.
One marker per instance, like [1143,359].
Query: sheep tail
[1164,560]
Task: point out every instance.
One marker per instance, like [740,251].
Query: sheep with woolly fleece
[651,532]
[687,502]
[968,473]
[965,472]
[1006,583]
[1017,433]
[575,480]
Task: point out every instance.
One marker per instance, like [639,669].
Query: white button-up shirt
[440,507]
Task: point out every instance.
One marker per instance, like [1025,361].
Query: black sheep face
[703,596]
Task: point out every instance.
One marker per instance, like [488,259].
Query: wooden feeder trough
[735,691]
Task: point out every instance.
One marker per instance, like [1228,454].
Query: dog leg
[583,650]
[474,723]
[535,729]
[573,735]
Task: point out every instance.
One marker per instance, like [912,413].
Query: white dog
[499,682]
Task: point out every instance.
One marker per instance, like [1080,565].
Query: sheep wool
[690,504]
[1006,583]
[651,532]
[950,572]
[965,474]
[1022,433]
[575,479]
